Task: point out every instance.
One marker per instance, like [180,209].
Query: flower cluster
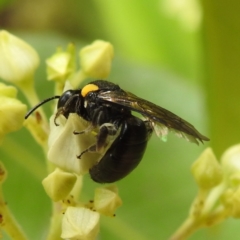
[218,195]
[71,219]
[218,181]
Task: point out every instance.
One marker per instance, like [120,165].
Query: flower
[230,161]
[206,170]
[64,146]
[107,200]
[11,109]
[80,223]
[61,64]
[18,60]
[58,184]
[96,59]
[219,191]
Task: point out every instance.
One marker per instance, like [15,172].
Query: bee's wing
[161,118]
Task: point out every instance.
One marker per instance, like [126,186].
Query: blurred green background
[180,54]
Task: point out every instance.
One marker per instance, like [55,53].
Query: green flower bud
[18,60]
[231,164]
[12,111]
[96,59]
[231,201]
[80,223]
[206,170]
[8,91]
[107,200]
[61,65]
[58,184]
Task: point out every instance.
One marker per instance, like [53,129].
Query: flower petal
[64,146]
[80,224]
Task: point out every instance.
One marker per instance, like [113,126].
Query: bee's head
[65,103]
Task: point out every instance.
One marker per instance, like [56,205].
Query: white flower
[80,224]
[64,146]
[18,60]
[107,200]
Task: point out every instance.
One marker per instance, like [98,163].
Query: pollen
[89,88]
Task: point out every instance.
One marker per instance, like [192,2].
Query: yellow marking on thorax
[89,88]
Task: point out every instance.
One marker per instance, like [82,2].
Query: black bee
[108,109]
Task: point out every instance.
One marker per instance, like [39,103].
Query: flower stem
[39,130]
[29,92]
[77,79]
[186,229]
[9,224]
[56,222]
[7,221]
[213,197]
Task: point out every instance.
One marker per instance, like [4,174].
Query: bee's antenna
[40,104]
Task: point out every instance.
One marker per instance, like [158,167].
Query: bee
[108,110]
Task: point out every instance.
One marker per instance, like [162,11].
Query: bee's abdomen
[125,153]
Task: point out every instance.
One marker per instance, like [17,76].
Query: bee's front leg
[107,131]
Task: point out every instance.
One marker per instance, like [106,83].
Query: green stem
[9,224]
[56,222]
[59,86]
[37,125]
[39,130]
[77,79]
[199,203]
[186,229]
[7,221]
[204,212]
[213,198]
[29,92]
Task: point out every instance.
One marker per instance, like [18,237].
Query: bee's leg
[149,125]
[106,131]
[86,130]
[97,118]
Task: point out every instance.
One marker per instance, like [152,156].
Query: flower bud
[231,164]
[8,91]
[12,111]
[206,170]
[236,204]
[18,60]
[107,200]
[58,184]
[61,64]
[96,59]
[80,223]
[231,201]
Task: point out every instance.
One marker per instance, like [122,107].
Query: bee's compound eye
[65,97]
